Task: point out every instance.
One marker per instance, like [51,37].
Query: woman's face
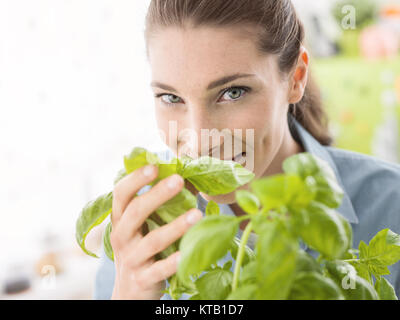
[251,105]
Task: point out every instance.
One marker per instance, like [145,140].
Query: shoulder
[373,186]
[364,175]
[354,165]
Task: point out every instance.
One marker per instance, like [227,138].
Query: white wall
[74,98]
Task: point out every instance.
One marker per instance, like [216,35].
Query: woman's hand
[138,275]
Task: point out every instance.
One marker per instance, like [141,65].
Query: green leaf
[305,263]
[305,164]
[181,163]
[352,286]
[385,290]
[92,214]
[247,201]
[363,250]
[276,253]
[177,206]
[139,157]
[214,176]
[212,208]
[206,242]
[164,170]
[248,253]
[106,242]
[362,270]
[383,250]
[314,286]
[246,292]
[324,231]
[215,285]
[177,288]
[227,265]
[195,297]
[348,230]
[248,274]
[282,190]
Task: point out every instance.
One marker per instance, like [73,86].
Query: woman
[237,64]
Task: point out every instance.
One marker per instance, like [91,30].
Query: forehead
[202,53]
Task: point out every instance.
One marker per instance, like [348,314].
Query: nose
[196,132]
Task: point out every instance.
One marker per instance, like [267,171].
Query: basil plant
[284,211]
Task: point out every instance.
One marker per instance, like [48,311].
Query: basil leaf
[92,215]
[383,250]
[248,274]
[212,208]
[164,170]
[306,263]
[349,232]
[323,231]
[139,157]
[227,265]
[282,190]
[214,176]
[106,242]
[206,242]
[314,286]
[352,286]
[177,206]
[195,297]
[305,164]
[276,252]
[247,201]
[248,253]
[246,292]
[385,290]
[177,288]
[362,270]
[215,285]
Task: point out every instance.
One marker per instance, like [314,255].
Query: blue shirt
[371,201]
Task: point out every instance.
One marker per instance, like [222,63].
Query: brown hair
[279,32]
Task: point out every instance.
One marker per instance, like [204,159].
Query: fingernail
[148,170]
[174,181]
[193,217]
[178,258]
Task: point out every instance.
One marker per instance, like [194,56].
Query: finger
[161,238]
[161,269]
[140,208]
[127,188]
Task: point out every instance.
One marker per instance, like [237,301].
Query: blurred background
[75,97]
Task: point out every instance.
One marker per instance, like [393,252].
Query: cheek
[166,124]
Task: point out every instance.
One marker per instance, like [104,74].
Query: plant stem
[240,254]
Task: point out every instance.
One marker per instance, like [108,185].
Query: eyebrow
[212,85]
